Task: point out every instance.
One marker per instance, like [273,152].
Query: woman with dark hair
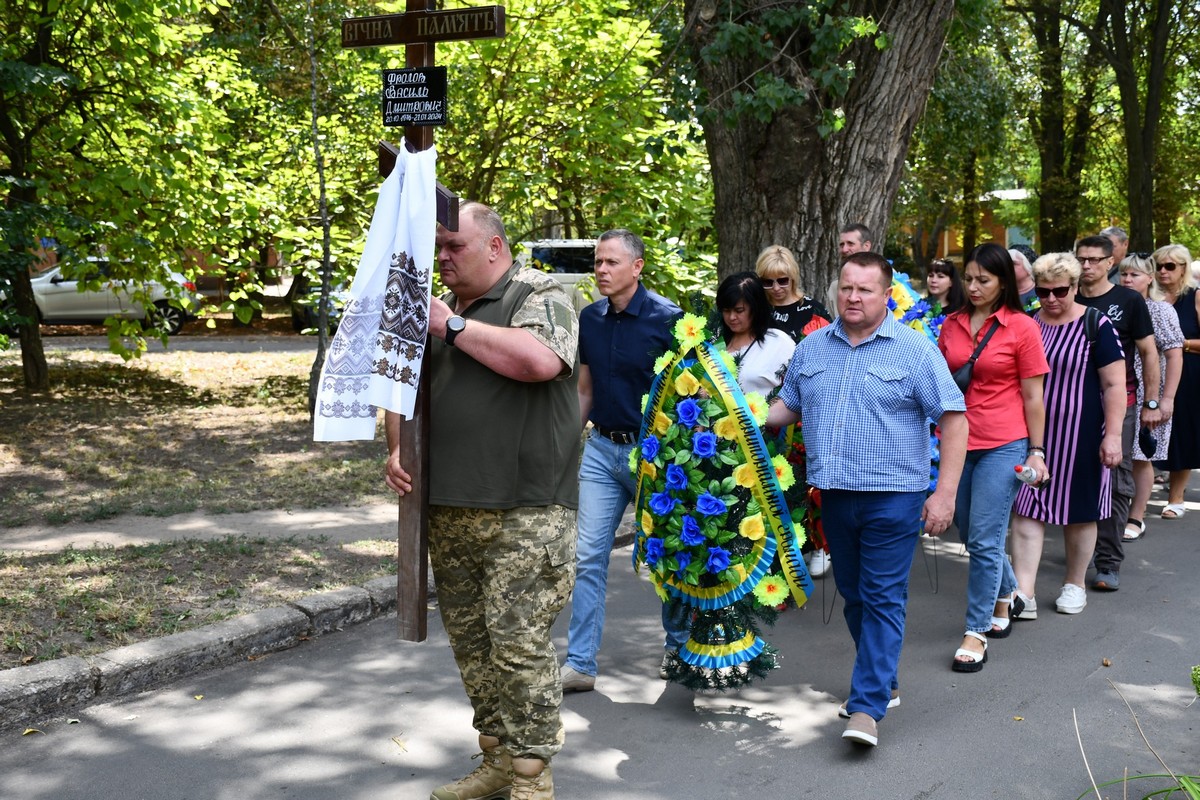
[1005,417]
[945,286]
[762,353]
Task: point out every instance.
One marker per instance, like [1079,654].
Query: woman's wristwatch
[1038,451]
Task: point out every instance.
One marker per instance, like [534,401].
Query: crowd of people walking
[1053,392]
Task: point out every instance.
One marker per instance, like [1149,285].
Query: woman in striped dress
[1085,406]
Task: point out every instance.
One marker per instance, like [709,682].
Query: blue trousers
[872,537]
[606,488]
[986,493]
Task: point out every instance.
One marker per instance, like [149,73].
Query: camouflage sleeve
[548,314]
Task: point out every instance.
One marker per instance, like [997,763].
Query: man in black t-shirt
[1127,311]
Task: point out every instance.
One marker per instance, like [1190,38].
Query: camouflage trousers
[502,576]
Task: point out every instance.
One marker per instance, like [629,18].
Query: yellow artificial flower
[662,423]
[689,331]
[661,590]
[758,407]
[753,528]
[634,455]
[745,476]
[651,470]
[726,427]
[771,590]
[647,522]
[783,472]
[686,384]
[645,401]
[664,361]
[730,362]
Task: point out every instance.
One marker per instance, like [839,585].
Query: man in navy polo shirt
[620,337]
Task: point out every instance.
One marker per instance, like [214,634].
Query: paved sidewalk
[358,714]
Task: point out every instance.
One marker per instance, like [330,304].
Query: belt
[617,437]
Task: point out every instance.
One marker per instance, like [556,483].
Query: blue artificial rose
[650,447]
[708,505]
[718,560]
[691,535]
[662,503]
[677,479]
[704,444]
[654,550]
[683,558]
[687,412]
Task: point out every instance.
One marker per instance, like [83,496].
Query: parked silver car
[60,300]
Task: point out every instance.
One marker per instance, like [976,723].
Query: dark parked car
[305,303]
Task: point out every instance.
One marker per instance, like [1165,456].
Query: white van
[570,261]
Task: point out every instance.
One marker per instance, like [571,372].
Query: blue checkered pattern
[866,409]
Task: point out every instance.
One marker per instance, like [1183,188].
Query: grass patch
[88,600]
[170,433]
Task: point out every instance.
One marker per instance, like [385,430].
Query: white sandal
[977,659]
[1176,510]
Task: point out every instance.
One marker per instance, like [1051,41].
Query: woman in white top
[762,353]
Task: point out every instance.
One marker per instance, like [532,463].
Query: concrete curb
[53,687]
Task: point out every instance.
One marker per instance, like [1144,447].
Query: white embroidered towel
[374,360]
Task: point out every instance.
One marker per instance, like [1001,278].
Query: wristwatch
[454,326]
[1152,405]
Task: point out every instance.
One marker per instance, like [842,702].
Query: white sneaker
[819,564]
[1030,610]
[575,681]
[1072,599]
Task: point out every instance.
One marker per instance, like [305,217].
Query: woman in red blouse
[1006,417]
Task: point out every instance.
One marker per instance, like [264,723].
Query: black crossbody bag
[962,375]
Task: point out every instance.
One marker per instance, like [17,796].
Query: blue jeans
[606,488]
[986,493]
[872,538]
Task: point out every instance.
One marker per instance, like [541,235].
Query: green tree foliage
[961,149]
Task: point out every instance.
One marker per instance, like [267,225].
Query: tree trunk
[778,180]
[1062,153]
[970,205]
[33,355]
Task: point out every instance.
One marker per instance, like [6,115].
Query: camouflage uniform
[502,577]
[503,494]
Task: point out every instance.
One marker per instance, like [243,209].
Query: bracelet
[1039,450]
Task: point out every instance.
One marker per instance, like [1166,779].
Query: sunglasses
[770,282]
[1058,291]
[1168,266]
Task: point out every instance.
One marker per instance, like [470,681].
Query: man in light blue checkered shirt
[866,387]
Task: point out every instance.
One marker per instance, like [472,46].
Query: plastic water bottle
[1027,474]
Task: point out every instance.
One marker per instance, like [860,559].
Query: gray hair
[632,242]
[1114,231]
[1054,266]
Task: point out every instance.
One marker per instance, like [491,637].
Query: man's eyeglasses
[770,282]
[1045,291]
[1169,266]
[1085,260]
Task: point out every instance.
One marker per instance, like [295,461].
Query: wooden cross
[418,29]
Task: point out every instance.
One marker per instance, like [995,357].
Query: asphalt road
[358,714]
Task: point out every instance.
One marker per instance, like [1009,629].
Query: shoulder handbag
[962,375]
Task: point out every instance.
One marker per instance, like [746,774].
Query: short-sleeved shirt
[866,408]
[1127,311]
[800,318]
[497,442]
[995,406]
[619,349]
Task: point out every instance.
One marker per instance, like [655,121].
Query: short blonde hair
[1177,254]
[1054,266]
[1140,262]
[776,261]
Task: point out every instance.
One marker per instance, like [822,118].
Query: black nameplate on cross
[414,27]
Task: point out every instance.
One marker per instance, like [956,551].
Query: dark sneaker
[1106,581]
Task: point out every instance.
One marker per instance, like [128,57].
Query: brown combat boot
[533,787]
[491,779]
